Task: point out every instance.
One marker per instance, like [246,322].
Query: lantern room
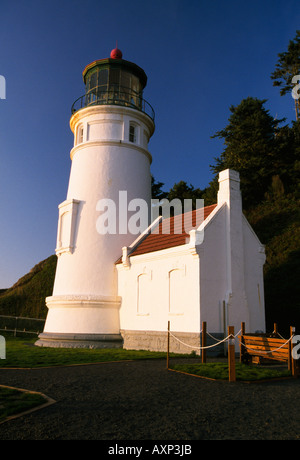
[114,81]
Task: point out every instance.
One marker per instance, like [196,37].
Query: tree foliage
[180,190]
[156,188]
[183,191]
[287,67]
[250,148]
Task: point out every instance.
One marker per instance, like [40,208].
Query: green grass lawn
[21,352]
[219,371]
[13,401]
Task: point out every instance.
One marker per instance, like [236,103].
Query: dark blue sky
[200,56]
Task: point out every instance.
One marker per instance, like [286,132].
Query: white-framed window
[144,292]
[132,133]
[80,132]
[66,226]
[177,291]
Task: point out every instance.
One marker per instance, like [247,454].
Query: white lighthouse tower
[112,125]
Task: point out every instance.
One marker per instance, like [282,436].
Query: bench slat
[256,346]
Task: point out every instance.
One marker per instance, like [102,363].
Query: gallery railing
[113,96]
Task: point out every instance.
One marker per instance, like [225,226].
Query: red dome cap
[116,54]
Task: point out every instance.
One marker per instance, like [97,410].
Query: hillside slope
[27,296]
[277,224]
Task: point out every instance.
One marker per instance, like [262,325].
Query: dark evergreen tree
[157,191]
[183,191]
[250,148]
[288,67]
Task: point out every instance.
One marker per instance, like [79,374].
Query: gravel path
[141,400]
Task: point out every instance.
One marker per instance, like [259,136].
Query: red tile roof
[171,232]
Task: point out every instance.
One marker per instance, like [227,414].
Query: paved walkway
[142,400]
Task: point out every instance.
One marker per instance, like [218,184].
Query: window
[114,79]
[80,134]
[103,78]
[66,226]
[135,84]
[125,81]
[144,293]
[132,133]
[177,291]
[93,80]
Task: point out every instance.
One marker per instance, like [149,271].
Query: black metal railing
[113,96]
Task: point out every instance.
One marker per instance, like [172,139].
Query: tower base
[91,341]
[77,321]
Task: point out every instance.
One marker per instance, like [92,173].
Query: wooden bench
[257,348]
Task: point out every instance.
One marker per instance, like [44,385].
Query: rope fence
[230,339]
[200,348]
[231,347]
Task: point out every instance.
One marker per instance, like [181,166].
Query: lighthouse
[112,125]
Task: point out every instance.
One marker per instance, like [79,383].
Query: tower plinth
[112,125]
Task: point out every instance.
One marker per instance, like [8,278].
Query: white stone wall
[160,287]
[213,270]
[254,257]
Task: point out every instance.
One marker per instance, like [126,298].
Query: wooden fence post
[16,327]
[276,328]
[290,351]
[231,355]
[242,348]
[168,345]
[203,343]
[224,327]
[292,363]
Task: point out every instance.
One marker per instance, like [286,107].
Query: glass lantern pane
[103,77]
[125,80]
[93,81]
[114,77]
